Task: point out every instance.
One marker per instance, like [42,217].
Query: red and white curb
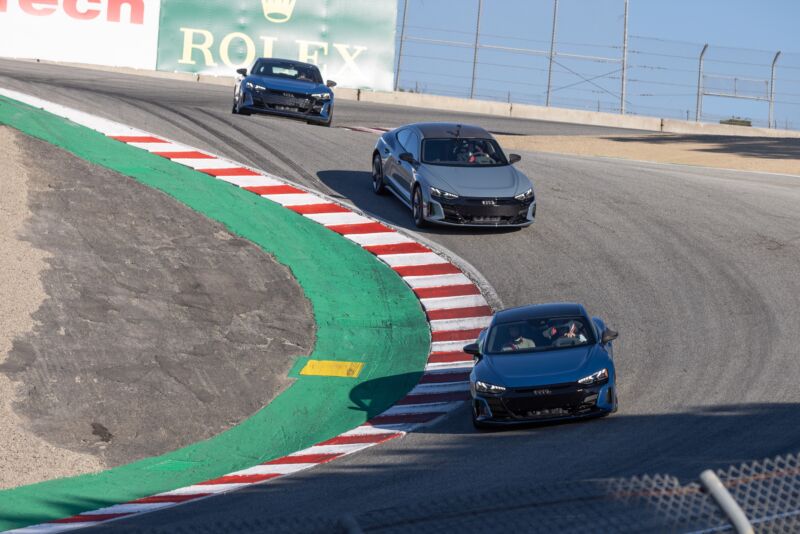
[455,308]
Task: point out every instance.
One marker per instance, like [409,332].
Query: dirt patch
[25,458]
[736,153]
[152,326]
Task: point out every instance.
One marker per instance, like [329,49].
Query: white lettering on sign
[349,59]
[305,53]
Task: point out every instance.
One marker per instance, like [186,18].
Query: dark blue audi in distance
[542,362]
[286,88]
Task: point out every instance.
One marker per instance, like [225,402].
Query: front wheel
[378,186]
[417,209]
[237,110]
[478,425]
[317,123]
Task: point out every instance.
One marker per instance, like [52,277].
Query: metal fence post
[475,51]
[771,123]
[699,108]
[400,50]
[624,60]
[552,51]
[726,502]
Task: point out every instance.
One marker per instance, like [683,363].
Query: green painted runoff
[363,312]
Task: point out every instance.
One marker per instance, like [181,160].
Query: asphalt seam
[456,309]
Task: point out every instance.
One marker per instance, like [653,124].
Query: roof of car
[535,311]
[288,61]
[449,129]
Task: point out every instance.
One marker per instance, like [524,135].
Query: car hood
[292,86]
[500,182]
[540,368]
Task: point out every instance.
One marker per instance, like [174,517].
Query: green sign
[351,41]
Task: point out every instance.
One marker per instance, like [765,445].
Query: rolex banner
[351,41]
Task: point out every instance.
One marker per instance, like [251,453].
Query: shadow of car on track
[357,187]
[373,396]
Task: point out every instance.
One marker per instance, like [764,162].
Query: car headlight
[593,378]
[443,194]
[251,85]
[321,96]
[526,195]
[485,387]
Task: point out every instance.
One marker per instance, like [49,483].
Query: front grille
[284,100]
[558,400]
[475,211]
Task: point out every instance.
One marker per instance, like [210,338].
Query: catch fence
[466,56]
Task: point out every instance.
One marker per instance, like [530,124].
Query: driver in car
[574,332]
[517,341]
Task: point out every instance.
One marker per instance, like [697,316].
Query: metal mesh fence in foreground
[768,492]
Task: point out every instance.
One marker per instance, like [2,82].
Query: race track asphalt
[697,269]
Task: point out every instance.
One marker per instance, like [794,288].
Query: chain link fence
[459,55]
[768,492]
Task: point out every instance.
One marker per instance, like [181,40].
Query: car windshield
[463,152]
[287,69]
[539,335]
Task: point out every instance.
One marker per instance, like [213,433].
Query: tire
[236,111]
[378,185]
[477,424]
[417,211]
[325,124]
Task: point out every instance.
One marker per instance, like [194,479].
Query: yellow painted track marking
[332,368]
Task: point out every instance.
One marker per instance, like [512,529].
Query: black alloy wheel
[236,109]
[378,187]
[417,208]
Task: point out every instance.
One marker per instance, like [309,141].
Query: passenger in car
[516,340]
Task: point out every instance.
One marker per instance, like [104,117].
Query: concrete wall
[502,109]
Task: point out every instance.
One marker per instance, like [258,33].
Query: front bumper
[295,105]
[482,212]
[544,403]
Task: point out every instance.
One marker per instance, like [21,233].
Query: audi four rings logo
[542,392]
[488,202]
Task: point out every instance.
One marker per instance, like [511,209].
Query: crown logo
[278,11]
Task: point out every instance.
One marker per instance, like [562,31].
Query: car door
[403,172]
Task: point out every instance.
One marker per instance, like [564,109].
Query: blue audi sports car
[541,363]
[286,88]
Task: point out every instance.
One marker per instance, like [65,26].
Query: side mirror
[408,157]
[243,72]
[609,335]
[473,349]
[513,158]
[330,83]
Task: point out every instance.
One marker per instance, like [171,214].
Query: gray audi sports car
[452,174]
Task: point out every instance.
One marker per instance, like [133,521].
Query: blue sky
[665,40]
